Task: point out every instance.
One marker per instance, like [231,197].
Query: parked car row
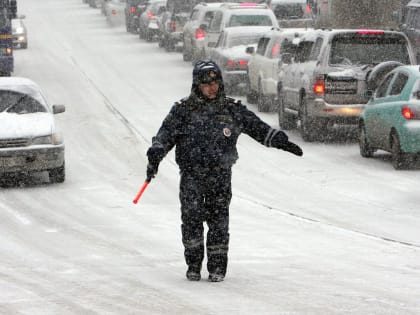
[316,80]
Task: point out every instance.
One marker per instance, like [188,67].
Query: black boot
[216,276]
[193,273]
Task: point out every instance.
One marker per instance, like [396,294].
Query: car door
[375,130]
[270,65]
[256,61]
[385,117]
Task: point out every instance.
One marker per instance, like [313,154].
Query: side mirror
[204,27]
[417,94]
[57,109]
[250,50]
[286,58]
[368,94]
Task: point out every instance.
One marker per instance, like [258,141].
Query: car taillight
[172,26]
[275,50]
[150,15]
[237,64]
[199,34]
[410,113]
[370,32]
[319,86]
[132,10]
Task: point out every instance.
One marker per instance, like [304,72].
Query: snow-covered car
[115,12]
[237,15]
[19,33]
[231,56]
[324,85]
[391,119]
[264,64]
[292,13]
[193,32]
[30,139]
[150,19]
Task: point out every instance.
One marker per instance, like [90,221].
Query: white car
[264,64]
[231,56]
[193,32]
[30,139]
[115,12]
[19,33]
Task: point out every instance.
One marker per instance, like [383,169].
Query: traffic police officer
[204,128]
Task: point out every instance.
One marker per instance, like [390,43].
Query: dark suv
[326,83]
[172,24]
[133,10]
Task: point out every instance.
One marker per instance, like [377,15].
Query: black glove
[281,141]
[155,154]
[292,148]
[152,170]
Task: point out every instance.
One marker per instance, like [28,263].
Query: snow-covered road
[329,233]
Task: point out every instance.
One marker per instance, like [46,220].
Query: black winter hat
[206,71]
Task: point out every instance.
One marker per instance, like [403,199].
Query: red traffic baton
[142,189]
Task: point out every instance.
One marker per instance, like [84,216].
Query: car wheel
[186,55]
[365,150]
[399,159]
[307,124]
[57,175]
[286,121]
[262,100]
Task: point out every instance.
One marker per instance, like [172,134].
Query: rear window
[360,50]
[289,11]
[250,20]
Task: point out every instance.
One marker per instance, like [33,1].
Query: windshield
[243,40]
[289,11]
[368,50]
[15,102]
[250,20]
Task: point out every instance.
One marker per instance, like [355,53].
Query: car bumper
[410,137]
[39,158]
[340,113]
[19,41]
[235,77]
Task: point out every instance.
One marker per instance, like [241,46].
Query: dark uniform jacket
[205,132]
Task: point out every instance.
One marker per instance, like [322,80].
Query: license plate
[341,87]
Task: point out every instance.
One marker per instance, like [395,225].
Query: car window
[14,102]
[242,39]
[383,87]
[316,50]
[262,44]
[207,17]
[398,84]
[289,11]
[216,22]
[303,50]
[249,20]
[194,14]
[359,50]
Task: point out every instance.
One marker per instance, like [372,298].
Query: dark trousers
[205,197]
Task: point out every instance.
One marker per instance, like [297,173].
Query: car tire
[186,55]
[307,124]
[57,175]
[286,121]
[400,160]
[262,101]
[365,150]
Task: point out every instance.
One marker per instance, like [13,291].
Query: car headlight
[51,139]
[19,30]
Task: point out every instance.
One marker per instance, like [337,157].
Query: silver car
[19,33]
[30,140]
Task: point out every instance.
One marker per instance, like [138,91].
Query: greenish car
[391,119]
